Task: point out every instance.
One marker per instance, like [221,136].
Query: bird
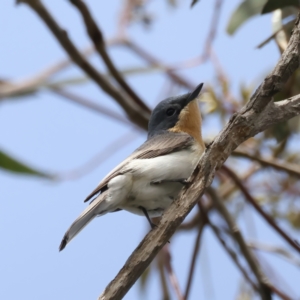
[149,180]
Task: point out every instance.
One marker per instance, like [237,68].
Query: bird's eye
[170,112]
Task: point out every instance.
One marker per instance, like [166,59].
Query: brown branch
[155,62]
[163,280]
[194,258]
[134,112]
[208,42]
[257,207]
[32,83]
[91,105]
[213,28]
[291,169]
[237,236]
[165,252]
[96,36]
[190,224]
[231,253]
[240,127]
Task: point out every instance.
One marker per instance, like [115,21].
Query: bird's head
[177,114]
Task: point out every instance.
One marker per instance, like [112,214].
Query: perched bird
[149,180]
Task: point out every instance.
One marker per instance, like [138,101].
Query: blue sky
[57,136]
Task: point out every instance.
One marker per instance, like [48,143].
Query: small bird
[149,180]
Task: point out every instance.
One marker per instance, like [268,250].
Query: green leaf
[276,4]
[11,164]
[246,10]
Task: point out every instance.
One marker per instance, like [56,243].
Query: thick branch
[241,126]
[134,112]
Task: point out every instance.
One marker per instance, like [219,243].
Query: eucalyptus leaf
[246,10]
[272,5]
[9,163]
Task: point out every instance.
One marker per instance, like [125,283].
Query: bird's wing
[158,145]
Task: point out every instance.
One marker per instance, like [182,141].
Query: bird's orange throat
[190,121]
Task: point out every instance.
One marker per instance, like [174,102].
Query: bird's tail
[98,207]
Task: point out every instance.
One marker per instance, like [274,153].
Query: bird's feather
[158,145]
[97,207]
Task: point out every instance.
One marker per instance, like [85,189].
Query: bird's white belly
[155,198]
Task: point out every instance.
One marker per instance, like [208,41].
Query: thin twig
[291,169]
[231,253]
[135,113]
[104,154]
[213,28]
[190,224]
[162,275]
[194,258]
[32,83]
[275,250]
[92,105]
[263,281]
[165,252]
[252,201]
[270,38]
[97,37]
[208,42]
[155,62]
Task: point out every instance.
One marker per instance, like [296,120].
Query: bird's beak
[193,95]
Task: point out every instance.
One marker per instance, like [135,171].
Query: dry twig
[96,36]
[264,289]
[135,113]
[194,257]
[257,207]
[291,169]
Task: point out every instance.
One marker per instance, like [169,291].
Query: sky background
[57,136]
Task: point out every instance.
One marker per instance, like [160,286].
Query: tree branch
[83,101]
[201,226]
[289,168]
[155,62]
[264,289]
[96,36]
[231,253]
[257,207]
[135,113]
[165,252]
[240,127]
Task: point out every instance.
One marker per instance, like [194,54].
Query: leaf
[11,164]
[246,10]
[276,4]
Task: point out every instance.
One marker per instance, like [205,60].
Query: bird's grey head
[166,114]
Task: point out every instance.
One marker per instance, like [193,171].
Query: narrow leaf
[11,164]
[246,10]
[276,4]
